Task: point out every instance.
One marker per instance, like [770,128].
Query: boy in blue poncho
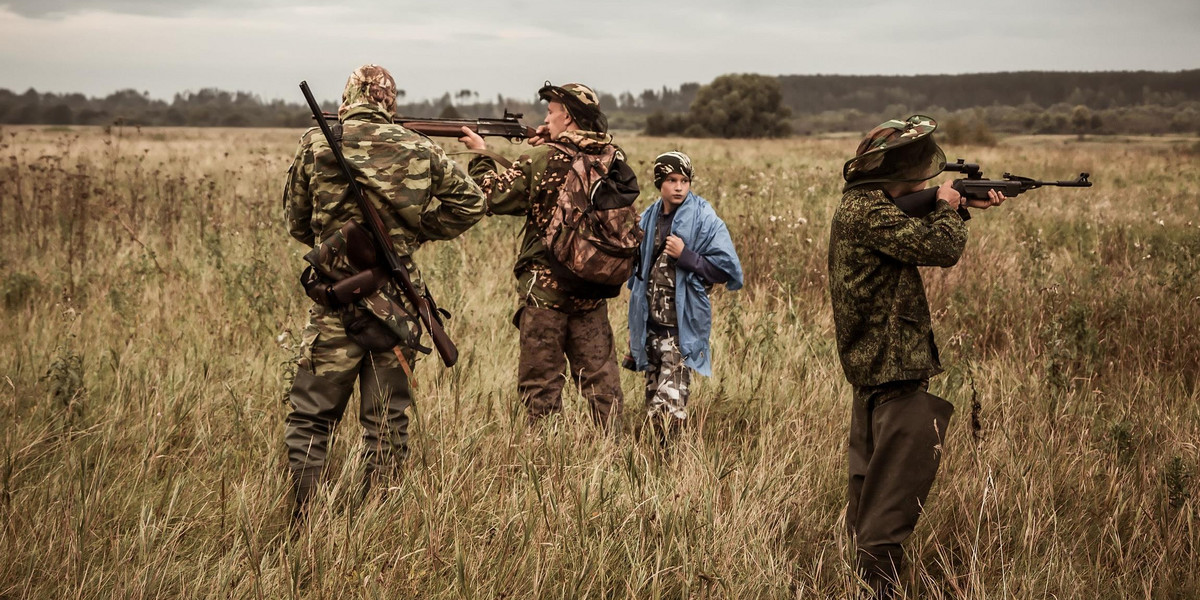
[686,250]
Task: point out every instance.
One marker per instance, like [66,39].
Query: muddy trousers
[549,340]
[896,435]
[329,366]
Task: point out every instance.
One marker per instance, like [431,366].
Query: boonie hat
[896,151]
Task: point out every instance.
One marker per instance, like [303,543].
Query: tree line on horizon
[735,105]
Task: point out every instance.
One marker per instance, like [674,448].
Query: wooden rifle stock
[514,130]
[429,315]
[508,126]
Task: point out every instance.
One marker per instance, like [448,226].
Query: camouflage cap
[877,160]
[581,102]
[369,84]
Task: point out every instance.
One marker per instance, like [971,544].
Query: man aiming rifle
[563,310]
[885,334]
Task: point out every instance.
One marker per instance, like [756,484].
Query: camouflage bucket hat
[369,84]
[896,151]
[581,102]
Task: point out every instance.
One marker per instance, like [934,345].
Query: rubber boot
[880,572]
[304,486]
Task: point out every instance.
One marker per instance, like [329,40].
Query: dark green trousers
[330,364]
[896,435]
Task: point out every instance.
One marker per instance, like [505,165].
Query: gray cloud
[266,46]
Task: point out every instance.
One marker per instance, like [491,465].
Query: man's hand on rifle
[541,136]
[472,140]
[994,199]
[947,192]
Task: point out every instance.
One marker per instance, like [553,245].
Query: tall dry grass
[151,306]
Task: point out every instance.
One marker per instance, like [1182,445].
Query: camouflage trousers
[330,363]
[896,435]
[667,379]
[549,339]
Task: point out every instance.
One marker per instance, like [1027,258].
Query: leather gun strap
[336,128]
[412,381]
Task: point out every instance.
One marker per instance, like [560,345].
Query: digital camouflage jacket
[530,188]
[880,313]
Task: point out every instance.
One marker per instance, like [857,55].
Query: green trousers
[330,364]
[896,435]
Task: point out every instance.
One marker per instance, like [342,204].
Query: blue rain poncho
[703,232]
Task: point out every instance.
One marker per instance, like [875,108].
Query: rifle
[428,312]
[509,126]
[975,187]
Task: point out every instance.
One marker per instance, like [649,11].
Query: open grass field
[151,313]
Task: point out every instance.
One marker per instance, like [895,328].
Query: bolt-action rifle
[509,126]
[430,315]
[975,187]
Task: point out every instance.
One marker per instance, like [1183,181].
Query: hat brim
[871,167]
[588,117]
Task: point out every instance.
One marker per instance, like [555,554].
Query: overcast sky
[510,47]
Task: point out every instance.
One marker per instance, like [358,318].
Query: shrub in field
[734,106]
[18,289]
[959,131]
[661,123]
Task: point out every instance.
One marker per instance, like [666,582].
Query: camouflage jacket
[530,188]
[400,171]
[880,313]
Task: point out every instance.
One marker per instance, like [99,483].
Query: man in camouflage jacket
[559,322]
[885,334]
[401,173]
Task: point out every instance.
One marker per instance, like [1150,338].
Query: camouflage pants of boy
[896,435]
[549,339]
[329,365]
[667,378]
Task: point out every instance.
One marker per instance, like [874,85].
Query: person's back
[549,167]
[371,337]
[400,171]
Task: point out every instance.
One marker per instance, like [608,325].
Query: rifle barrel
[508,127]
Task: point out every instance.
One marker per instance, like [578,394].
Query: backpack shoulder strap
[567,149]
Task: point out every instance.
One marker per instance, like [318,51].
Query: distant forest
[1036,102]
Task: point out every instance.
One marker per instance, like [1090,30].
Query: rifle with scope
[975,187]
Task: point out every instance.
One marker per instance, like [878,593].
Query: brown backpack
[592,234]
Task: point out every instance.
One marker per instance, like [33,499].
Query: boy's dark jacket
[701,230]
[880,313]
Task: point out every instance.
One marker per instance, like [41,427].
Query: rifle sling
[371,214]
